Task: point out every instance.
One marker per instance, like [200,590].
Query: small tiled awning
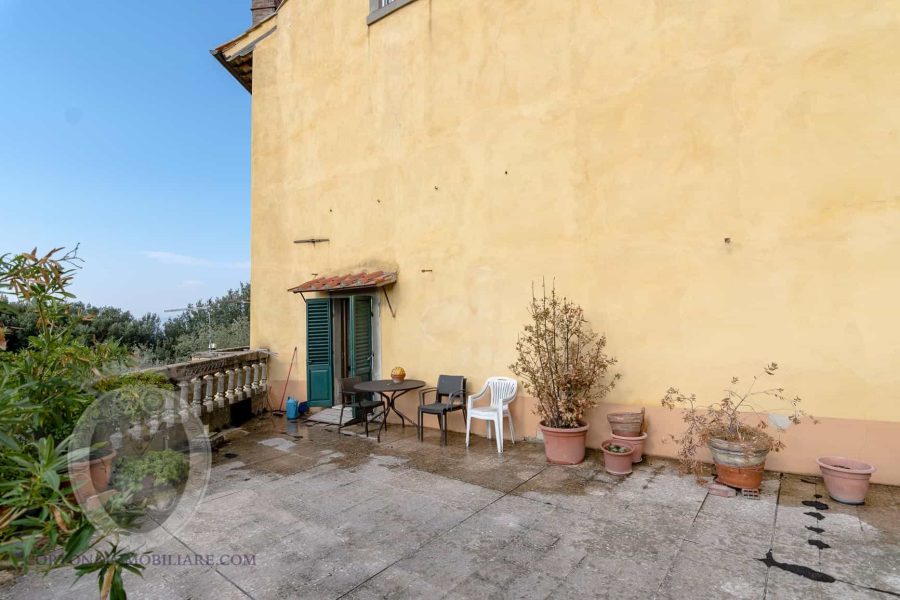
[350,281]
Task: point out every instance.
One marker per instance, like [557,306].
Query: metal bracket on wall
[312,241]
[386,297]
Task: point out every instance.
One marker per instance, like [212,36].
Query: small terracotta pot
[617,463]
[564,446]
[846,479]
[636,442]
[626,424]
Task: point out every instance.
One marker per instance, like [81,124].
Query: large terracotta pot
[617,463]
[90,478]
[846,479]
[637,442]
[626,424]
[564,446]
[739,464]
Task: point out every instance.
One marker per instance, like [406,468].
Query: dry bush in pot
[564,367]
[734,430]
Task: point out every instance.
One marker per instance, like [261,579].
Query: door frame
[375,331]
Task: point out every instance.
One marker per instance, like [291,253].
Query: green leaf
[52,479]
[8,442]
[136,569]
[79,542]
[84,569]
[117,590]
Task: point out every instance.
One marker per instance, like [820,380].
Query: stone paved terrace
[331,516]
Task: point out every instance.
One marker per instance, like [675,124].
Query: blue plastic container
[293,409]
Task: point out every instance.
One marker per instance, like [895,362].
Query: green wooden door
[319,370]
[360,337]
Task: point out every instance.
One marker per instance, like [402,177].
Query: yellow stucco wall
[611,146]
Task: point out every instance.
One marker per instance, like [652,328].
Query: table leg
[384,415]
[403,418]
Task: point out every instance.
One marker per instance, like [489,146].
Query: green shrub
[44,389]
[134,396]
[166,467]
[148,378]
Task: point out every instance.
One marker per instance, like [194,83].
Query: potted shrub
[562,364]
[91,474]
[636,442]
[617,457]
[734,430]
[90,477]
[126,397]
[156,476]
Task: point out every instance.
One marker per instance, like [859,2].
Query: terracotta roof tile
[346,282]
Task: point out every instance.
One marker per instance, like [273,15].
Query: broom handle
[291,368]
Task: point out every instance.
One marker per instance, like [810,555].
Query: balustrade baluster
[196,396]
[208,398]
[153,424]
[263,378]
[220,389]
[238,388]
[169,409]
[248,391]
[229,387]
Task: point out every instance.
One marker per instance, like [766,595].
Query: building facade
[716,183]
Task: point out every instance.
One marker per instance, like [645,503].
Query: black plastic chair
[362,403]
[451,387]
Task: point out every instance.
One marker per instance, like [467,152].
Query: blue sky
[119,131]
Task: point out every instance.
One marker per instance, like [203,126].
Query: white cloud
[171,258]
[191,283]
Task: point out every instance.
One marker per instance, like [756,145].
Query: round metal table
[390,391]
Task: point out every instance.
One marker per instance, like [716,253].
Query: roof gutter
[251,38]
[220,56]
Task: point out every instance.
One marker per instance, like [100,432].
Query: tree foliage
[155,341]
[189,332]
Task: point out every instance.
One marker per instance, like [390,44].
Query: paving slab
[302,511]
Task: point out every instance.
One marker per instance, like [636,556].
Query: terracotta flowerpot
[564,446]
[636,442]
[846,479]
[626,424]
[739,464]
[90,478]
[617,463]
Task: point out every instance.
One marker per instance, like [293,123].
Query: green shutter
[319,376]
[361,337]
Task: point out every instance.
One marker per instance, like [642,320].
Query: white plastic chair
[503,391]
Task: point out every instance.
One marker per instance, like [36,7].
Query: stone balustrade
[222,390]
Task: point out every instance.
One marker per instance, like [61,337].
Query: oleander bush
[45,387]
